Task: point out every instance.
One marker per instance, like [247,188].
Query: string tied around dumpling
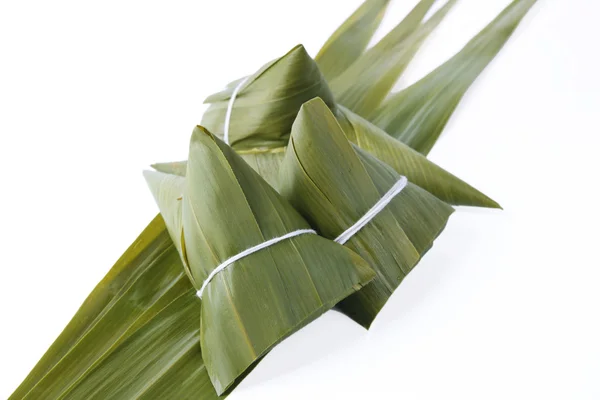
[249,251]
[372,213]
[230,108]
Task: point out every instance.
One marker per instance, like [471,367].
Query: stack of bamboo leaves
[264,228]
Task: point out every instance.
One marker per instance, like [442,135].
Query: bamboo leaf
[334,184]
[168,191]
[366,83]
[173,168]
[268,102]
[406,161]
[265,162]
[131,312]
[350,40]
[163,356]
[418,114]
[137,334]
[228,208]
[267,157]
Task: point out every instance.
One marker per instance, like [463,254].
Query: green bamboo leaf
[141,305]
[127,268]
[367,82]
[334,184]
[350,40]
[228,208]
[418,114]
[266,105]
[136,335]
[266,158]
[408,162]
[163,356]
[168,191]
[265,162]
[172,168]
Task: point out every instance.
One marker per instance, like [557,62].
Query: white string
[376,209]
[249,251]
[230,108]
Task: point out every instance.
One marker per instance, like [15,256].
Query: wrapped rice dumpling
[267,102]
[137,334]
[223,208]
[334,184]
[264,110]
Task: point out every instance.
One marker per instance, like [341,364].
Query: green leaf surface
[260,299]
[161,356]
[116,344]
[173,168]
[418,114]
[334,184]
[168,191]
[351,39]
[267,104]
[367,82]
[406,161]
[266,157]
[137,334]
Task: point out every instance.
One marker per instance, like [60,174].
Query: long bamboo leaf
[406,161]
[350,40]
[418,114]
[112,346]
[131,312]
[161,355]
[366,83]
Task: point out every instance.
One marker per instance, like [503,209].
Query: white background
[506,304]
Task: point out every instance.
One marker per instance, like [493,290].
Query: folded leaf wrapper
[267,103]
[333,184]
[137,334]
[222,208]
[264,118]
[408,162]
